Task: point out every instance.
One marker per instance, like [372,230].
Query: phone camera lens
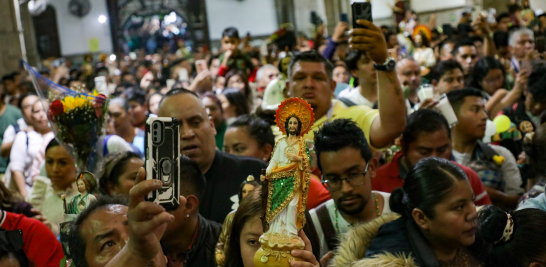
[155,125]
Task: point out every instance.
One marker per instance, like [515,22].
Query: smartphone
[361,10]
[447,30]
[183,75]
[315,19]
[170,83]
[200,65]
[525,64]
[540,44]
[492,16]
[162,160]
[343,17]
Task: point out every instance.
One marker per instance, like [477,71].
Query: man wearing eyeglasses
[345,160]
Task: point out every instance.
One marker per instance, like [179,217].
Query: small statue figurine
[286,184]
[78,203]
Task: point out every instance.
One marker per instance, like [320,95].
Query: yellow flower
[80,101]
[498,160]
[68,103]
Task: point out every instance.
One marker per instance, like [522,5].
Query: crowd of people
[397,174]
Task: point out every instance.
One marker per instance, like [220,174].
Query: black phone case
[162,160]
[361,10]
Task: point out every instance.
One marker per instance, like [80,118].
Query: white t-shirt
[355,96]
[509,168]
[342,223]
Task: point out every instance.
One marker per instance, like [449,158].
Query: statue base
[276,250]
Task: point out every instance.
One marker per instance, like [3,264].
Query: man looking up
[310,78]
[110,233]
[522,42]
[362,68]
[409,74]
[427,135]
[495,165]
[447,76]
[345,160]
[223,172]
[190,239]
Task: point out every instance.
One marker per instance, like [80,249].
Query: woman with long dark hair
[234,104]
[488,75]
[437,223]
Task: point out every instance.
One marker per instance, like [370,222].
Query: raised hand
[369,40]
[147,220]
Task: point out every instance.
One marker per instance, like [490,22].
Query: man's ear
[420,219]
[212,125]
[287,88]
[192,204]
[372,167]
[354,73]
[333,84]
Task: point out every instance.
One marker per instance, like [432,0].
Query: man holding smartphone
[310,78]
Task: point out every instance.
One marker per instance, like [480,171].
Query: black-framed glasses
[354,179]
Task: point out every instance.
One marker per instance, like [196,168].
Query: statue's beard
[294,132]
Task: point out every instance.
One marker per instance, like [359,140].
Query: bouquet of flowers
[77,118]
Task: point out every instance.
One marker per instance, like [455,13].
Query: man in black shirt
[223,172]
[190,240]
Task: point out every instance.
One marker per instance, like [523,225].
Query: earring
[187,215]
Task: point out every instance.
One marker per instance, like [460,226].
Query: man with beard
[345,160]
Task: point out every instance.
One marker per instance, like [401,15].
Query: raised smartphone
[343,17]
[162,160]
[361,10]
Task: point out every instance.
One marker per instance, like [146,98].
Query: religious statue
[286,184]
[86,183]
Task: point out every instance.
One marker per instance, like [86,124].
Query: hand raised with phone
[369,39]
[147,220]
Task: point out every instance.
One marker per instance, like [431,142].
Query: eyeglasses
[355,179]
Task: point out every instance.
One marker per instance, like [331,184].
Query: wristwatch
[387,66]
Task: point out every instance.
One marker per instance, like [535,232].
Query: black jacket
[402,236]
[202,253]
[224,180]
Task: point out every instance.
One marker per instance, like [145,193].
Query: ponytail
[510,239]
[426,185]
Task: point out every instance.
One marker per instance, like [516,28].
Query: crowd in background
[395,177]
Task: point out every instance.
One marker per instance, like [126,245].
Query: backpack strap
[16,127]
[487,152]
[347,102]
[327,227]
